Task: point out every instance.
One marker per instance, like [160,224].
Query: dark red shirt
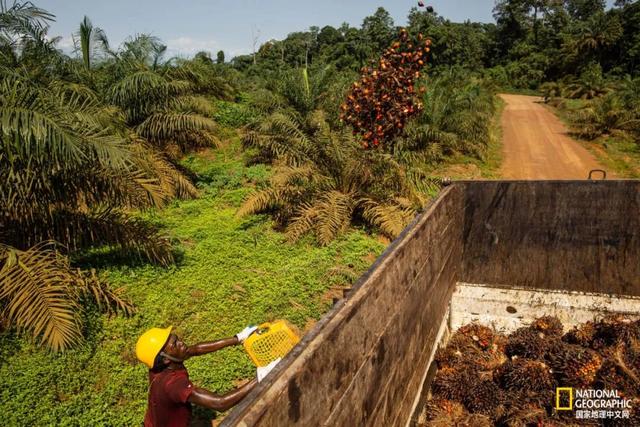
[169,391]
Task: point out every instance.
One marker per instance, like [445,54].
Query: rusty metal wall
[569,235]
[364,362]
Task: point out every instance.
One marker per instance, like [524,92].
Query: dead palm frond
[40,293]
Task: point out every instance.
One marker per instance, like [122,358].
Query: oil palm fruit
[549,325]
[574,366]
[381,101]
[525,374]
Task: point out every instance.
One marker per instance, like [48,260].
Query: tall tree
[220,57]
[584,9]
[513,21]
[378,29]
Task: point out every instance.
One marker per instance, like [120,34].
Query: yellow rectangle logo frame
[564,408]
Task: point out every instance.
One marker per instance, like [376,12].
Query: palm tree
[551,90]
[454,120]
[143,49]
[324,182]
[20,20]
[71,170]
[70,177]
[591,84]
[607,115]
[164,111]
[592,38]
[207,79]
[289,114]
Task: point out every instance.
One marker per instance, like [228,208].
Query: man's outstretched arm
[209,347]
[218,402]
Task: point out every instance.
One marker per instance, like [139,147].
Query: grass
[620,154]
[232,272]
[617,153]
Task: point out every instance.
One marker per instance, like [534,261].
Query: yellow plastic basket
[269,342]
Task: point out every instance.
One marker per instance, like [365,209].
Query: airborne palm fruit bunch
[379,105]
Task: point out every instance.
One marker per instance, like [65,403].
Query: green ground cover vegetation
[230,272]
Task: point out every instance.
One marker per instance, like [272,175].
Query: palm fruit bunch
[485,398]
[527,342]
[379,105]
[442,411]
[530,386]
[453,383]
[632,421]
[511,380]
[525,374]
[548,325]
[473,345]
[581,335]
[573,365]
[615,375]
[446,413]
[614,337]
[522,413]
[613,330]
[480,335]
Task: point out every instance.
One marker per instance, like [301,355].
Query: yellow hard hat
[150,343]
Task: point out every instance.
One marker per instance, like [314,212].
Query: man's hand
[263,371]
[244,334]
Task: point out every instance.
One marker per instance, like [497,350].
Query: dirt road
[536,144]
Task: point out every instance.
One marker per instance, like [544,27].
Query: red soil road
[536,144]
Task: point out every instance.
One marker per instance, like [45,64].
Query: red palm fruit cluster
[379,105]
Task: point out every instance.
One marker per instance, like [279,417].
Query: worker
[170,391]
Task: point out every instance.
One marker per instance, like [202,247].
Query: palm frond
[303,222]
[193,104]
[108,300]
[166,126]
[334,215]
[260,201]
[391,218]
[35,289]
[144,92]
[40,294]
[281,136]
[22,19]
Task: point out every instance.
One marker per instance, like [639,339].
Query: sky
[189,26]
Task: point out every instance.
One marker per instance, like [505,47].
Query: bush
[233,114]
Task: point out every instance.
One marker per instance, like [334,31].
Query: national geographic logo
[564,399]
[593,404]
